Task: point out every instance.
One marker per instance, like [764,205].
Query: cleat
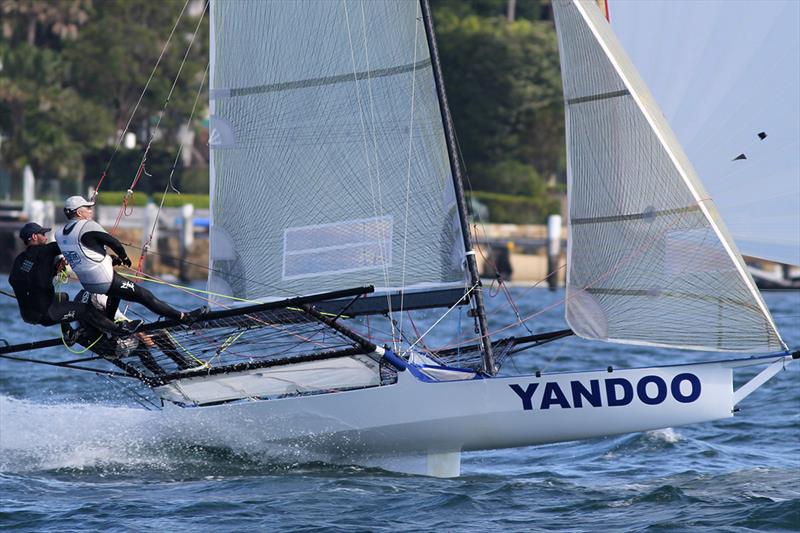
[194,315]
[124,347]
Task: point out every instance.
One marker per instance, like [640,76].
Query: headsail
[727,82]
[329,167]
[649,260]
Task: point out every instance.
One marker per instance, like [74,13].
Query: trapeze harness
[83,243]
[90,262]
[32,280]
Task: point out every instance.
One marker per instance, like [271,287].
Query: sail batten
[594,97]
[318,82]
[649,259]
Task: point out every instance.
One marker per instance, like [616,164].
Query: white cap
[74,202]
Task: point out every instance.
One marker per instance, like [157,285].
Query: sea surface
[77,454]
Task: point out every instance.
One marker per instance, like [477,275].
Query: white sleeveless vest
[94,270]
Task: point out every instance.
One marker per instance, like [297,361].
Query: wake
[90,437]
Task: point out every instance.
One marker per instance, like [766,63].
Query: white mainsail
[329,166]
[727,82]
[649,259]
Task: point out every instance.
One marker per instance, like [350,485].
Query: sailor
[32,280]
[83,243]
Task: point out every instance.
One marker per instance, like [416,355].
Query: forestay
[649,260]
[329,167]
[726,79]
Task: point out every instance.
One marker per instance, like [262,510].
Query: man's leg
[76,311]
[125,289]
[112,305]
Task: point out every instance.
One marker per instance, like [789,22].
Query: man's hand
[116,261]
[61,265]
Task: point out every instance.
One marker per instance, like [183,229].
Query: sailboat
[337,204]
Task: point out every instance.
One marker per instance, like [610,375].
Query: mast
[455,167]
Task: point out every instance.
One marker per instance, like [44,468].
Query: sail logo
[615,392]
[221,133]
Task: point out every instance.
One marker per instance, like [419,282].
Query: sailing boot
[130,326]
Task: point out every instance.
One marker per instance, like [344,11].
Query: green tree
[112,62]
[43,122]
[527,9]
[114,56]
[73,72]
[504,90]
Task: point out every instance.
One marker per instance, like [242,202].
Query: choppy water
[76,455]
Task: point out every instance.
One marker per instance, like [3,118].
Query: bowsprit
[614,392]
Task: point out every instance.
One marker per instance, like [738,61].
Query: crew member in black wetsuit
[32,280]
[83,243]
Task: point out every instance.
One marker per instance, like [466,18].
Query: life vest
[93,267]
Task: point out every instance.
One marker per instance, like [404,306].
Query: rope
[146,246]
[377,205]
[78,352]
[419,339]
[204,364]
[138,102]
[408,168]
[61,278]
[129,194]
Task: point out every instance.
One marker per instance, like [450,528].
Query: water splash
[40,436]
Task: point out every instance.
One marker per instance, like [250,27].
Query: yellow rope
[78,352]
[190,354]
[229,342]
[201,291]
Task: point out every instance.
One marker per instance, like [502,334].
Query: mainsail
[649,259]
[329,166]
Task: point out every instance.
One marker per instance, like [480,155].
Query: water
[75,454]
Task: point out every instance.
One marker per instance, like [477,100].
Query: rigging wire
[408,165]
[146,246]
[129,193]
[138,102]
[419,339]
[634,253]
[377,207]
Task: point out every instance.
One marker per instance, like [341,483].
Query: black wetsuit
[123,288]
[32,280]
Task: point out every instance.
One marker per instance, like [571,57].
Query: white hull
[422,427]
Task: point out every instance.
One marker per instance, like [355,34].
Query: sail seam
[319,82]
[645,215]
[601,96]
[682,170]
[671,294]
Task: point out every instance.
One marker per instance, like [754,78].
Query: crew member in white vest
[83,243]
